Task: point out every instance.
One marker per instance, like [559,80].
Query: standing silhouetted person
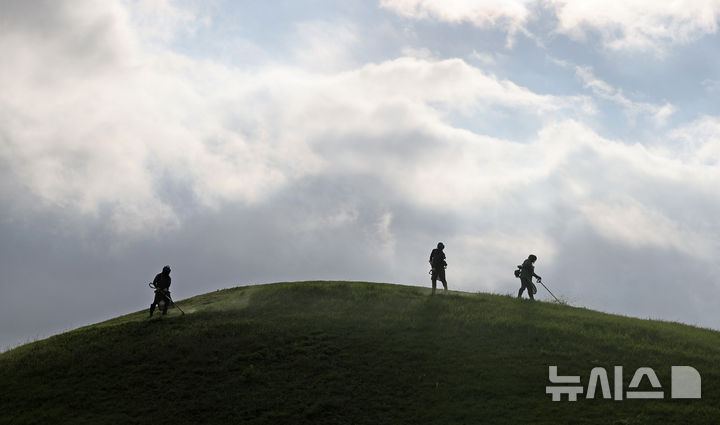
[162,291]
[527,271]
[438,264]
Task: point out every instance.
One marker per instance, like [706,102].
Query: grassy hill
[352,353]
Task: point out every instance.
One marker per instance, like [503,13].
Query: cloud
[170,135]
[108,129]
[697,142]
[508,15]
[605,91]
[150,136]
[638,225]
[638,25]
[154,136]
[453,83]
[485,12]
[710,85]
[484,58]
[634,25]
[325,46]
[161,20]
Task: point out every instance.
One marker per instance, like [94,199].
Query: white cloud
[162,20]
[382,237]
[626,193]
[112,138]
[481,13]
[643,25]
[710,85]
[325,46]
[632,25]
[697,142]
[509,15]
[630,222]
[453,83]
[421,53]
[122,137]
[485,58]
[605,91]
[97,136]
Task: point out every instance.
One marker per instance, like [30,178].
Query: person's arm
[537,276]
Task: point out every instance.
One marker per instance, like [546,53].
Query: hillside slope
[352,353]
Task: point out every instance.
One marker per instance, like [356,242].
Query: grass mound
[351,353]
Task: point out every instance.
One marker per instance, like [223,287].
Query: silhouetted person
[162,290]
[438,264]
[527,271]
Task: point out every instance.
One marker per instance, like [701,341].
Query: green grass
[351,353]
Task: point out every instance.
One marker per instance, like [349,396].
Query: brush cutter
[540,282]
[166,294]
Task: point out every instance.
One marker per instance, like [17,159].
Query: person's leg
[442,279]
[433,278]
[523,286]
[526,284]
[155,302]
[530,291]
[166,304]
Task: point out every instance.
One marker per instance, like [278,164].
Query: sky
[246,142]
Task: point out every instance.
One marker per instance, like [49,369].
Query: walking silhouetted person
[162,291]
[438,264]
[527,272]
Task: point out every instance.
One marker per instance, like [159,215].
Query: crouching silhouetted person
[161,283]
[527,272]
[438,264]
